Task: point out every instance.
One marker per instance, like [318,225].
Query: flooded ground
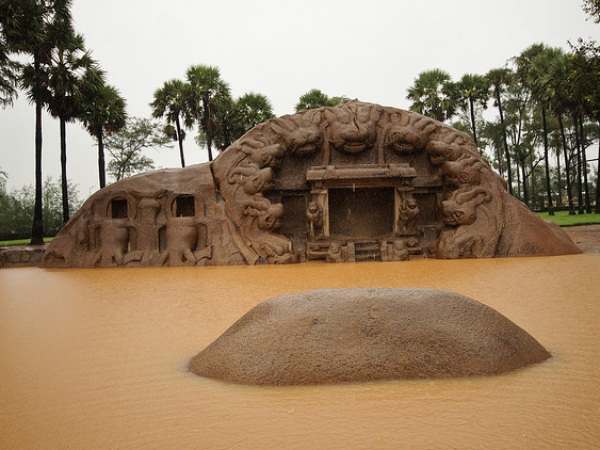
[96,359]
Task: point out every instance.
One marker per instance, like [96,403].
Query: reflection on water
[96,359]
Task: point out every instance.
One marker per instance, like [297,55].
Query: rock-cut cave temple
[355,182]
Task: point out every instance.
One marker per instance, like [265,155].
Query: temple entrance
[361,213]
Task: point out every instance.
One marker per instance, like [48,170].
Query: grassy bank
[563,218]
[20,242]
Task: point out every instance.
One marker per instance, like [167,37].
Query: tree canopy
[126,147]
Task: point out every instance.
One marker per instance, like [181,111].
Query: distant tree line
[16,208]
[548,114]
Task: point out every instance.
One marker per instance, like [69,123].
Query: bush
[16,209]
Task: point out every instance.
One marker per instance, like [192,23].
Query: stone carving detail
[408,213]
[407,186]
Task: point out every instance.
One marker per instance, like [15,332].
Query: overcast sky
[371,50]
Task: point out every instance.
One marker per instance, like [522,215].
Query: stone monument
[355,182]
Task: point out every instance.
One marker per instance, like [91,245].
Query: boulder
[363,334]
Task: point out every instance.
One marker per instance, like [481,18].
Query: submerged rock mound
[359,334]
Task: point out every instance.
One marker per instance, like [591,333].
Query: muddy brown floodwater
[96,359]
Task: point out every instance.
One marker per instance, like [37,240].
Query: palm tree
[314,99]
[585,79]
[253,109]
[236,117]
[432,95]
[103,110]
[9,74]
[35,28]
[545,78]
[546,73]
[206,88]
[498,79]
[170,102]
[472,89]
[70,60]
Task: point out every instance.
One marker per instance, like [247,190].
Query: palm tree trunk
[63,166]
[586,187]
[525,189]
[101,163]
[207,126]
[500,165]
[37,229]
[472,109]
[547,160]
[505,142]
[180,140]
[518,169]
[580,209]
[567,166]
[597,208]
[558,179]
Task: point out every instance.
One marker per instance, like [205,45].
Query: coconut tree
[103,111]
[34,28]
[432,95]
[170,103]
[206,88]
[499,79]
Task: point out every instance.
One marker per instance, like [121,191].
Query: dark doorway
[362,213]
[118,208]
[185,206]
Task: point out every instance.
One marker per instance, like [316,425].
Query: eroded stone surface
[356,182]
[353,334]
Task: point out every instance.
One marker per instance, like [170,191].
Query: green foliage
[206,91]
[126,147]
[236,117]
[9,74]
[433,95]
[36,28]
[16,209]
[103,109]
[171,102]
[204,98]
[314,99]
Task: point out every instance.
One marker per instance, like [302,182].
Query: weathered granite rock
[354,334]
[356,182]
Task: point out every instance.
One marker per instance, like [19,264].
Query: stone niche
[355,182]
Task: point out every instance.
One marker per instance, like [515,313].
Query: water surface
[96,359]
